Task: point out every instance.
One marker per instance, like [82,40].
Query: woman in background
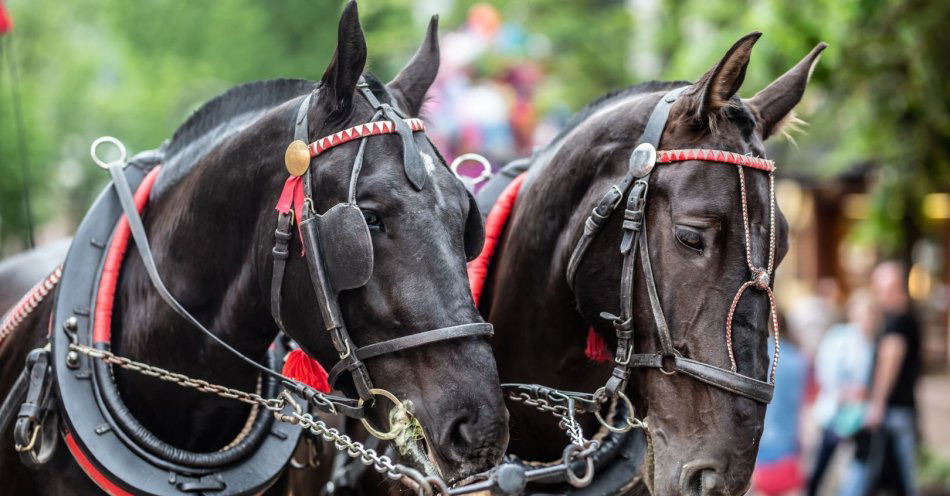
[842,368]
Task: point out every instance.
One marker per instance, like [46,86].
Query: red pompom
[299,366]
[596,350]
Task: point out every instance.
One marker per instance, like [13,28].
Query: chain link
[273,404]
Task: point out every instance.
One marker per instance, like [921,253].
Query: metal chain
[563,405]
[342,442]
[273,404]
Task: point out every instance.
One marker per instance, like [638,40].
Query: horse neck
[529,295]
[207,239]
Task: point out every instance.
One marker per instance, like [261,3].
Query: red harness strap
[91,470]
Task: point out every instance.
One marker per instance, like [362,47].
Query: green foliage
[137,69]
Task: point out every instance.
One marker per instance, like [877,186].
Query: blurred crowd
[851,372]
[484,98]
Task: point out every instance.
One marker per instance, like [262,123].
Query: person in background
[842,370]
[891,413]
[778,465]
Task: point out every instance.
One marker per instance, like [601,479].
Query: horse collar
[112,448]
[635,185]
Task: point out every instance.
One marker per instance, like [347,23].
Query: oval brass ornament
[297,158]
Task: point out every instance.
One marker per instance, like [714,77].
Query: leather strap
[653,131]
[666,342]
[710,374]
[13,400]
[124,193]
[413,341]
[281,251]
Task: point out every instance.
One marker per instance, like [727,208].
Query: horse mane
[220,118]
[608,98]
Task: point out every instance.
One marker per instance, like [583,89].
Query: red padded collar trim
[105,295]
[494,228]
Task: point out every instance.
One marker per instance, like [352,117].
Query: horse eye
[690,239]
[373,220]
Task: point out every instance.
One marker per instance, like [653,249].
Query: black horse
[211,222]
[704,439]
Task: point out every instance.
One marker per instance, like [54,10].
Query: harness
[119,454]
[634,240]
[344,260]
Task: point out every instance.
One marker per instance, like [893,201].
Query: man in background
[892,407]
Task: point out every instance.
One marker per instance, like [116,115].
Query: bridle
[669,360]
[337,243]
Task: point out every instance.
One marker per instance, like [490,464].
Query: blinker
[345,246]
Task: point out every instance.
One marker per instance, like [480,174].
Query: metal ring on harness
[470,182]
[114,142]
[569,474]
[627,421]
[395,430]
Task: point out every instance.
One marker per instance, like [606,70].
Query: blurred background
[865,179]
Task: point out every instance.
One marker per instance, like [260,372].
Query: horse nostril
[701,480]
[461,432]
[473,436]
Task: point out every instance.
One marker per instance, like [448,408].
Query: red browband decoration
[361,131]
[669,156]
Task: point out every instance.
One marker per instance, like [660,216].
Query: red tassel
[596,350]
[298,365]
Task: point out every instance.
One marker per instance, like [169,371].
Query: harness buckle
[36,430]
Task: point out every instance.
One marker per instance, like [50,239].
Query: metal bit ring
[394,431]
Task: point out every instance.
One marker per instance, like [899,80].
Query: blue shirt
[780,433]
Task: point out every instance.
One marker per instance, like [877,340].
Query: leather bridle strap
[638,174]
[721,378]
[350,357]
[634,240]
[413,341]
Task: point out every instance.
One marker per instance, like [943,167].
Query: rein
[634,240]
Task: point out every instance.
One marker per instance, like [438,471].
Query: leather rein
[634,240]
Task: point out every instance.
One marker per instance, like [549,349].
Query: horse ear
[773,104]
[409,87]
[720,84]
[348,61]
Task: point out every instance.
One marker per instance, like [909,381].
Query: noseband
[668,359]
[338,245]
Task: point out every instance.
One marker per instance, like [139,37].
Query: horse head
[422,227]
[711,230]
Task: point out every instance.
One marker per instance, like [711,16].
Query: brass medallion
[297,158]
